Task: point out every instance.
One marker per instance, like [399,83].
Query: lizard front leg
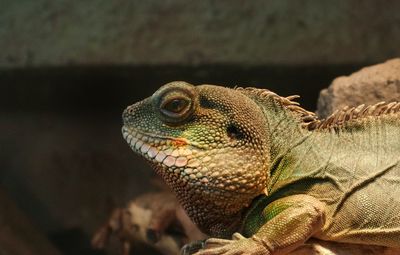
[289,222]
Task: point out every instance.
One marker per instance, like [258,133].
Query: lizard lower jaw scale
[156,149]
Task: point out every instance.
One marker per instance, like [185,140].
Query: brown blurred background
[69,68]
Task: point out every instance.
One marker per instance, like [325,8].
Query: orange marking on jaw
[178,142]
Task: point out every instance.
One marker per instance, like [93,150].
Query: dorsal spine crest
[336,119]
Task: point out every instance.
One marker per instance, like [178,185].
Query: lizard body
[252,164]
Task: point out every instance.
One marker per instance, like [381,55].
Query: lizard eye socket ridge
[175,104]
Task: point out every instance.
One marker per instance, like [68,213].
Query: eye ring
[175,106]
[175,102]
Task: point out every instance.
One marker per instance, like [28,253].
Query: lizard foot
[239,245]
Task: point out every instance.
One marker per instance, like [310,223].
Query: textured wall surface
[284,32]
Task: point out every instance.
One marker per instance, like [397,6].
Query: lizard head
[207,142]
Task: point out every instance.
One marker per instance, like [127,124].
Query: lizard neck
[289,144]
[284,129]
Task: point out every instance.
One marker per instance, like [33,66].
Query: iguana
[261,175]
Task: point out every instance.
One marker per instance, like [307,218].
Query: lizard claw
[211,242]
[237,236]
[239,245]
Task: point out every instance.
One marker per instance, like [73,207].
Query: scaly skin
[243,163]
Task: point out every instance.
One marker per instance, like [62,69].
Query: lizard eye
[174,106]
[175,102]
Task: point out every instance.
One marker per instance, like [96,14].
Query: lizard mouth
[166,151]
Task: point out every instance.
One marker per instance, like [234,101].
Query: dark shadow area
[111,88]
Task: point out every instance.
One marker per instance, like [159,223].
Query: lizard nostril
[127,111]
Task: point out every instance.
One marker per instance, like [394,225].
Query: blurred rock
[370,85]
[17,234]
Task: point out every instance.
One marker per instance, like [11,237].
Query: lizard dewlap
[249,161]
